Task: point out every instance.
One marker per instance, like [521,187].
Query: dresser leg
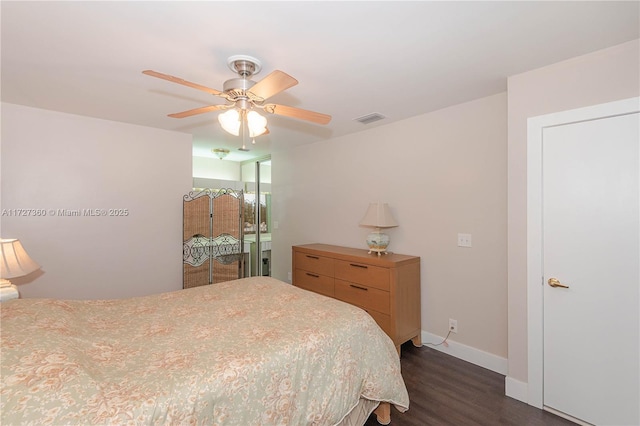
[417,341]
[383,413]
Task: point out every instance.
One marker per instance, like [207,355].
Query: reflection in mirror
[250,215]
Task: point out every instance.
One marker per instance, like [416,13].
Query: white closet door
[591,243]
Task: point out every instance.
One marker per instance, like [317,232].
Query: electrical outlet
[464,240]
[453,325]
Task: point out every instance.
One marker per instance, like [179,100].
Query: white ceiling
[399,59]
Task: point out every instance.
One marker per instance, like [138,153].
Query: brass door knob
[554,282]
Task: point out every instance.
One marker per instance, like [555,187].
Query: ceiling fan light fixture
[230,121]
[257,124]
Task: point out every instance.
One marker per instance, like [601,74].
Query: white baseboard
[467,353]
[516,389]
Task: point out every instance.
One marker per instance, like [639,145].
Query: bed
[254,351]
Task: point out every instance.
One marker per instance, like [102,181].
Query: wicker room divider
[213,237]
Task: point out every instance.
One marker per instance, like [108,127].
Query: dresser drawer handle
[313,275]
[358,287]
[359,266]
[312,257]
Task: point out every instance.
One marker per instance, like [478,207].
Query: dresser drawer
[363,296]
[312,263]
[314,282]
[370,276]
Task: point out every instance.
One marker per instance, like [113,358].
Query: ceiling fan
[245,96]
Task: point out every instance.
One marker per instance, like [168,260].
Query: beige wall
[52,160]
[604,76]
[442,173]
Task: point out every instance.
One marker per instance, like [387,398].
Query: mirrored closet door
[257,216]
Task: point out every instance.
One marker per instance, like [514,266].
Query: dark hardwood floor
[444,390]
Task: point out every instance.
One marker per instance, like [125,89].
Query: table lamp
[378,216]
[14,262]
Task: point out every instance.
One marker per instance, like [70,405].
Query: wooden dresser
[387,286]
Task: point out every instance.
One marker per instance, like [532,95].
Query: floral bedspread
[255,351]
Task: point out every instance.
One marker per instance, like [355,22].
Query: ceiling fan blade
[181,81]
[302,114]
[196,111]
[272,84]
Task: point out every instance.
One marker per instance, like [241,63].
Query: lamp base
[378,242]
[379,251]
[8,292]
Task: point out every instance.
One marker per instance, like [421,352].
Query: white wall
[52,161]
[209,172]
[604,76]
[249,172]
[441,173]
[214,168]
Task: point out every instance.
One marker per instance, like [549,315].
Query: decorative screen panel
[212,240]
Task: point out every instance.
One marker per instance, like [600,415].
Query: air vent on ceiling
[370,118]
[243,149]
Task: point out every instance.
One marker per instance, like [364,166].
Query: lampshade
[15,262]
[257,124]
[232,120]
[379,216]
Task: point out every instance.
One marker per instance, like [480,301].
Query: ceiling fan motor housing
[237,85]
[236,90]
